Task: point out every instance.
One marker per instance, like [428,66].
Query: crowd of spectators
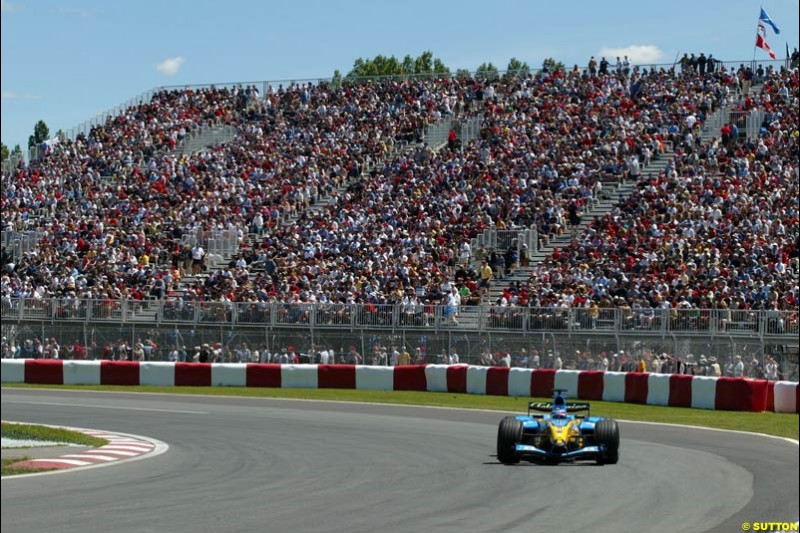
[547,145]
[717,229]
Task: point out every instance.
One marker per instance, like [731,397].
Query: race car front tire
[606,433]
[509,434]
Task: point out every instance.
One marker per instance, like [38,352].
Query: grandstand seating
[330,194]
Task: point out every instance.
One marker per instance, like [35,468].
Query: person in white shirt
[738,368]
[771,369]
[197,259]
[453,359]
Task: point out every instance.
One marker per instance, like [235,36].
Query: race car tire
[606,433]
[509,434]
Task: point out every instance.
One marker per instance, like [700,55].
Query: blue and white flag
[766,20]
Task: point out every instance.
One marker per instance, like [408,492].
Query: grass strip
[45,433]
[779,424]
[7,468]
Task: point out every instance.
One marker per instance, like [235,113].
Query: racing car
[556,433]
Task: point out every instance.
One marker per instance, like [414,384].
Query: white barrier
[299,376]
[613,387]
[476,379]
[157,373]
[436,377]
[229,375]
[81,372]
[658,389]
[704,392]
[567,379]
[785,396]
[519,381]
[13,371]
[375,377]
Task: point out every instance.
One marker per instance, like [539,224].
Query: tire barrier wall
[699,392]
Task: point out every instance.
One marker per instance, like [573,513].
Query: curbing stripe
[91,456]
[73,462]
[130,448]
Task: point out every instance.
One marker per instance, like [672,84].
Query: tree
[407,67]
[440,69]
[4,152]
[17,150]
[337,78]
[463,73]
[424,63]
[551,65]
[517,68]
[487,71]
[390,66]
[40,134]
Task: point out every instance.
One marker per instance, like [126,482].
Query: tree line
[427,65]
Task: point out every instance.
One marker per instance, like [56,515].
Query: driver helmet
[560,412]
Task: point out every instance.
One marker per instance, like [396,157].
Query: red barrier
[44,371]
[542,383]
[410,378]
[771,397]
[590,385]
[680,390]
[264,375]
[336,376]
[739,394]
[119,372]
[457,379]
[497,381]
[192,374]
[636,386]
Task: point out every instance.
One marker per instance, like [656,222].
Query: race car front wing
[528,452]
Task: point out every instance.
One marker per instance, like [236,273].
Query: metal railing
[609,321]
[15,243]
[500,240]
[753,124]
[216,243]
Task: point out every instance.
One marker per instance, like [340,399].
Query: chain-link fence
[542,350]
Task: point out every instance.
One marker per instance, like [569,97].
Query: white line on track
[109,407]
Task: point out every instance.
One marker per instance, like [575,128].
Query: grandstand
[612,209]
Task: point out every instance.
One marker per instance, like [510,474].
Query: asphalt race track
[245,464]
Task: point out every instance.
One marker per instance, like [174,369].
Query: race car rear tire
[509,434]
[606,433]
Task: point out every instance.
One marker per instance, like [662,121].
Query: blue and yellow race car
[558,436]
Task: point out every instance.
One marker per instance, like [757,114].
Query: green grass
[7,468]
[783,425]
[34,432]
[43,433]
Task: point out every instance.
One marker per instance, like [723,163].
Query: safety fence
[729,394]
[725,322]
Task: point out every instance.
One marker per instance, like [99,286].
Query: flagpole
[753,64]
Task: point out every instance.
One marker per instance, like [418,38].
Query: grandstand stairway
[596,210]
[206,137]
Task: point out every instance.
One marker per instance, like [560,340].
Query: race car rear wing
[547,407]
